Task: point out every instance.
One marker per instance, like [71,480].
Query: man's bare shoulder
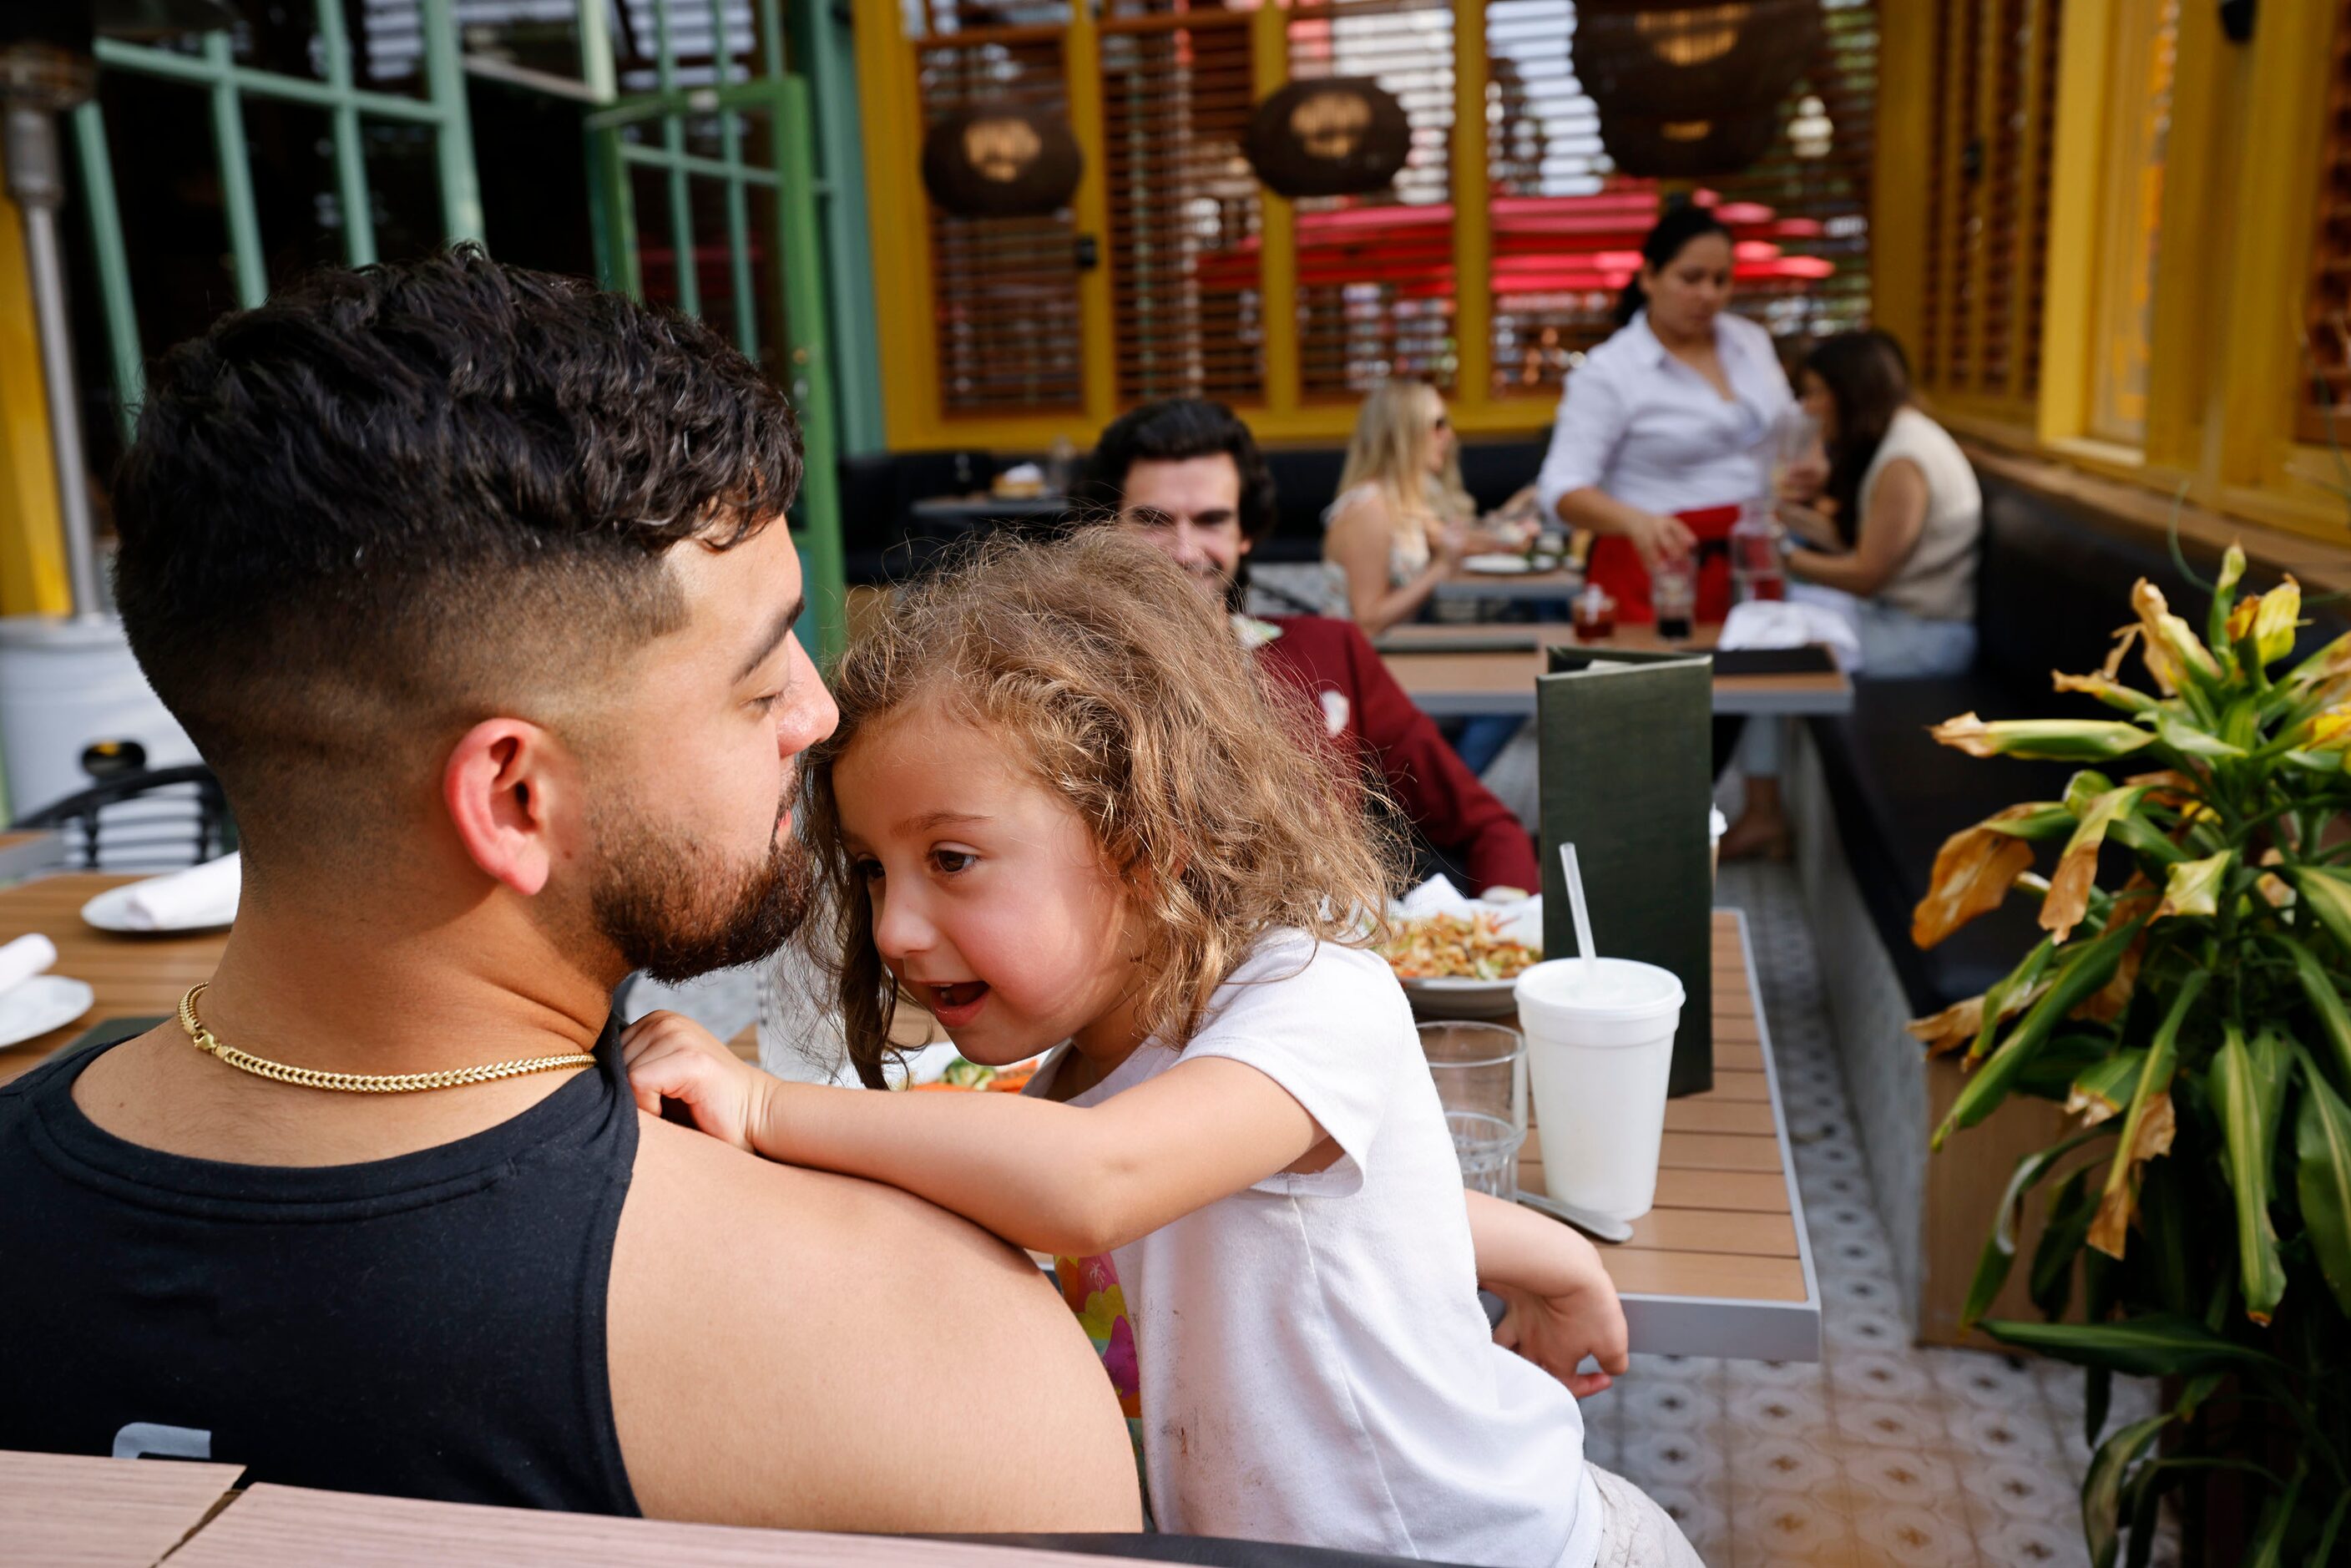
[795,1348]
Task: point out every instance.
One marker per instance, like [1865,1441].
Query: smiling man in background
[1187,475]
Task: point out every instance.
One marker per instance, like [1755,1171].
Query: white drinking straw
[1582,916]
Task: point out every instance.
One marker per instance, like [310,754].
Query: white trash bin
[66,685]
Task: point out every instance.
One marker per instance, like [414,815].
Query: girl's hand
[673,1058]
[1658,537]
[1556,1333]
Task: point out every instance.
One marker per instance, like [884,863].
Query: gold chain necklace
[204,1040]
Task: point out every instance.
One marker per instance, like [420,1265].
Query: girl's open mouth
[958,1003]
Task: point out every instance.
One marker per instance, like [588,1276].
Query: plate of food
[1498,565]
[1465,962]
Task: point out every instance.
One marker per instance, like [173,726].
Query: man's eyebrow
[777,630]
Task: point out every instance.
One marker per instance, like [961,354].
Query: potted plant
[2187,1005]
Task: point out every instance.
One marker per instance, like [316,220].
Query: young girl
[1058,812]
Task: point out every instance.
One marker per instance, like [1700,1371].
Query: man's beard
[673,913]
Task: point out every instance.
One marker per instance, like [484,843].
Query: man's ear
[505,782]
[1247,544]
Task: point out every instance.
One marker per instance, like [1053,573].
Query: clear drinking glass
[1482,1081]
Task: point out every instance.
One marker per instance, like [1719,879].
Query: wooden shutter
[1375,272]
[2324,399]
[1185,218]
[1990,140]
[1565,225]
[1004,290]
[1822,205]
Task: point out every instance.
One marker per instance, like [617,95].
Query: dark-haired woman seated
[1891,518]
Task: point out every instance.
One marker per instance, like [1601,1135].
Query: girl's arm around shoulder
[1066,1180]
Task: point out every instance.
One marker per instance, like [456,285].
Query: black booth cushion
[1898,795]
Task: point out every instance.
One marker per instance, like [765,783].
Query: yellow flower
[2054,740]
[2193,887]
[2271,618]
[2172,649]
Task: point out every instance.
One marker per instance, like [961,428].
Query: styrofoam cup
[1600,1048]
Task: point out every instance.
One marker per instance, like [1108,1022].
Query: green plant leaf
[2055,1069]
[2318,987]
[2000,1248]
[2051,739]
[2146,1125]
[2013,985]
[2090,966]
[2153,1344]
[2245,1083]
[2100,1090]
[2082,792]
[2190,739]
[2327,895]
[2045,819]
[2193,887]
[2145,838]
[2102,1488]
[2322,1144]
[2268,1545]
[2050,1282]
[2216,617]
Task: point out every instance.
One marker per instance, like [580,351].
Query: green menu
[1626,747]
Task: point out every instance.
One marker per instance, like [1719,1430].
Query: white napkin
[205,894]
[1522,918]
[1788,624]
[25,957]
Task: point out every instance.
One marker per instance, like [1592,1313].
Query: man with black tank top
[474,586]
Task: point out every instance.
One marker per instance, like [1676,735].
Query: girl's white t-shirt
[1315,1368]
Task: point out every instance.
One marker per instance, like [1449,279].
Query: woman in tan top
[1892,519]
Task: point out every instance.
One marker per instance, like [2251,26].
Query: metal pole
[36,180]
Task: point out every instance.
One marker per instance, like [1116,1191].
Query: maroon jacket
[1335,667]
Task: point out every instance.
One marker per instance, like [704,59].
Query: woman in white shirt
[1666,428]
[1891,518]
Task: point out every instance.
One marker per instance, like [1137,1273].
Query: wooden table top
[1492,669]
[133,976]
[293,1527]
[103,1513]
[1721,1265]
[1561,583]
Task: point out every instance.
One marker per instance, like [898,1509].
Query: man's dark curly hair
[392,502]
[1172,431]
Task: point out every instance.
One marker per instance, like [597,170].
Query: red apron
[1616,568]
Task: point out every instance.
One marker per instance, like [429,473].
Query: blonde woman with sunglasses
[1403,520]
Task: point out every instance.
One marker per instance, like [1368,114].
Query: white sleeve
[1323,1032]
[1591,417]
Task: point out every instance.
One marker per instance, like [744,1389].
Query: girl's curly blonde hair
[1122,688]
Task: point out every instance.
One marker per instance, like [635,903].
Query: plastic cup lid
[1622,989]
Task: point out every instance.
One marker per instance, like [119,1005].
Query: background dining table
[1451,670]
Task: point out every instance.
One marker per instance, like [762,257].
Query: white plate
[41,1004]
[1498,565]
[1458,999]
[108,912]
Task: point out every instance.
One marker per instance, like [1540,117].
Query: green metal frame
[790,174]
[228,85]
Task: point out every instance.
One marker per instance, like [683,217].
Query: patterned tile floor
[1884,1452]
